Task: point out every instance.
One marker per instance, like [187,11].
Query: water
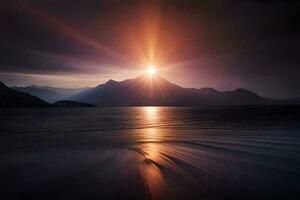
[150,153]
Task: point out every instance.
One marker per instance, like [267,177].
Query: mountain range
[49,94]
[143,90]
[13,98]
[148,90]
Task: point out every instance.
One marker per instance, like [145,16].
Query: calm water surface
[150,153]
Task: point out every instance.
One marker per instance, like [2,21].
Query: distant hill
[49,94]
[13,98]
[146,91]
[72,104]
[143,90]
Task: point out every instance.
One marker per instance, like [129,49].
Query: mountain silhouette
[49,94]
[148,90]
[13,98]
[66,103]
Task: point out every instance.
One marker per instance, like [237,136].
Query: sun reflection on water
[150,119]
[151,114]
[149,170]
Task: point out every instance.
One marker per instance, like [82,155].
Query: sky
[221,44]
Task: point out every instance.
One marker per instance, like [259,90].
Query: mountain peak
[111,81]
[154,80]
[146,90]
[208,90]
[243,90]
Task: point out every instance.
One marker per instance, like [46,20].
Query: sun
[151,70]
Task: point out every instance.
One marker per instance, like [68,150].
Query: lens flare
[151,70]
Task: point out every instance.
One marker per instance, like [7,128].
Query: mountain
[49,94]
[72,104]
[45,94]
[13,98]
[148,90]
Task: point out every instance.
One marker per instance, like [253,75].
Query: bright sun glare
[151,70]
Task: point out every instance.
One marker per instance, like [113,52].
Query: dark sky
[221,44]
